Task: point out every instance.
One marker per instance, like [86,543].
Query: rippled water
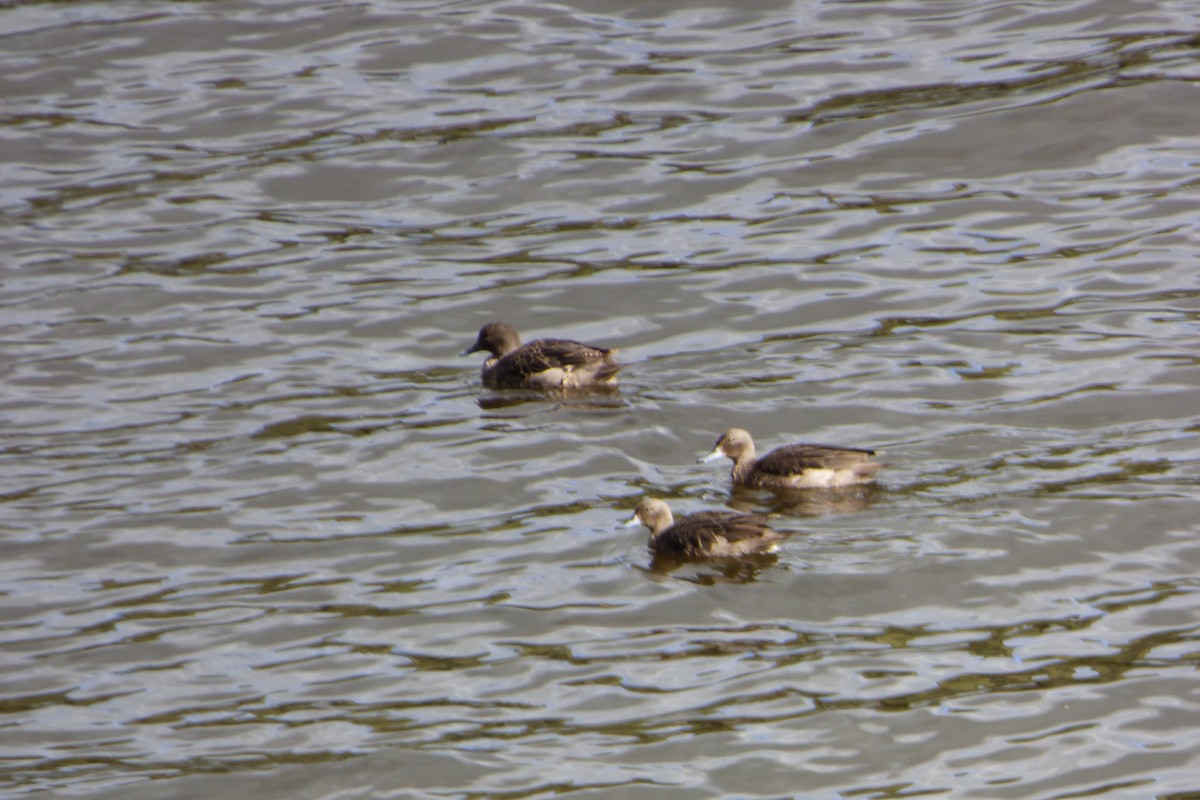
[264,532]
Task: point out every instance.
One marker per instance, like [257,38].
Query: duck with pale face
[704,534]
[794,466]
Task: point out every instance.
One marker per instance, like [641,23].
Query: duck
[704,534]
[794,466]
[543,364]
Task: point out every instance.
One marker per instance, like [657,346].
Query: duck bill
[713,456]
[475,348]
[631,522]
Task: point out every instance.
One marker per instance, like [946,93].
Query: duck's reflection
[590,399]
[806,502]
[745,569]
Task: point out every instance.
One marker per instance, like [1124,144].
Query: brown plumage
[543,364]
[705,534]
[794,466]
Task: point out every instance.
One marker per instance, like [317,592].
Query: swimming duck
[794,466]
[543,364]
[704,534]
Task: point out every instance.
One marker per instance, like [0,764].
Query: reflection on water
[584,400]
[807,502]
[730,570]
[265,532]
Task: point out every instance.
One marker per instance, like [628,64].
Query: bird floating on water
[543,364]
[704,534]
[794,466]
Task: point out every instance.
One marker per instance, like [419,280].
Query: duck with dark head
[543,364]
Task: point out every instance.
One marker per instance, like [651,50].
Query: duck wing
[708,533]
[546,354]
[793,459]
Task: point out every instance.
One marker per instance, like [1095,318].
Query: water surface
[265,532]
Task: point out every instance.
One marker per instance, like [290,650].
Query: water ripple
[264,529]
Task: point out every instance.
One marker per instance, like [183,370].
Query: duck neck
[506,345]
[743,465]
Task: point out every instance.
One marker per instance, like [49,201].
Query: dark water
[265,535]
